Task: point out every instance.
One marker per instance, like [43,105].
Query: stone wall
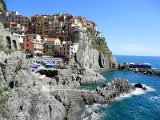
[10,41]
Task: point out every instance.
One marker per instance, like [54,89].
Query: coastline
[61,91]
[142,71]
[95,111]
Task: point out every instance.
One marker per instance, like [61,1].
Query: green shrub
[3,100]
[3,97]
[7,89]
[99,43]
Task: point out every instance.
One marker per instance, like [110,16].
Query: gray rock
[91,58]
[56,98]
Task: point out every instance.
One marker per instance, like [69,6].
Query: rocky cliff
[93,53]
[26,96]
[3,6]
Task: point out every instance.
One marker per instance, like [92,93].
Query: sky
[131,27]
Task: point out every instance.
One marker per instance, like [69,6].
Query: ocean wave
[153,98]
[90,114]
[90,110]
[93,116]
[137,91]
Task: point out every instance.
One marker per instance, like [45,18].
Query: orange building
[68,49]
[33,44]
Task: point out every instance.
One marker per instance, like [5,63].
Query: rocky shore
[140,70]
[27,96]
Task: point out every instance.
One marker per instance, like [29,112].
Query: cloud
[138,49]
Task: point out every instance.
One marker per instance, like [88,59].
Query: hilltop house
[68,49]
[33,44]
[51,46]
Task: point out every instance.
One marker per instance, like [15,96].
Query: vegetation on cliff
[100,44]
[3,97]
[2,48]
[3,6]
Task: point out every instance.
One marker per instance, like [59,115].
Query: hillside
[3,6]
[93,53]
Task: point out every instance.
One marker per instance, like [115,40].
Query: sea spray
[136,92]
[90,113]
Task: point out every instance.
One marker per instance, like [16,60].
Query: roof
[52,39]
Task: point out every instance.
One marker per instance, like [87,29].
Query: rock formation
[27,97]
[92,57]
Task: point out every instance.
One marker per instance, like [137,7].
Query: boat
[35,65]
[49,64]
[140,65]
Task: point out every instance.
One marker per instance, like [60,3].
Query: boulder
[138,85]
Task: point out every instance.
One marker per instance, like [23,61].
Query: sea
[138,105]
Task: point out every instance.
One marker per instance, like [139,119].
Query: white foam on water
[155,98]
[137,91]
[94,116]
[91,110]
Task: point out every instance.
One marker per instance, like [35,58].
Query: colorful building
[20,38]
[68,49]
[16,17]
[91,25]
[16,28]
[33,44]
[51,46]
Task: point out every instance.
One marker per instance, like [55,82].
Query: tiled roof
[52,39]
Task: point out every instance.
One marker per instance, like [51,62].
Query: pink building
[90,24]
[33,44]
[16,27]
[68,50]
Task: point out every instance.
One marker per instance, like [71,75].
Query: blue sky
[131,27]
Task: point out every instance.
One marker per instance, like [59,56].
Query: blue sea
[138,106]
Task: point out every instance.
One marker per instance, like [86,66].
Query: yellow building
[40,26]
[51,46]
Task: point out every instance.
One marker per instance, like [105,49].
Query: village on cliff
[45,35]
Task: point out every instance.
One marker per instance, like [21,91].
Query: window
[64,53]
[27,36]
[46,46]
[67,52]
[27,45]
[64,48]
[27,50]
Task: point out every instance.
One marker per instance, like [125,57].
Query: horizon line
[136,55]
